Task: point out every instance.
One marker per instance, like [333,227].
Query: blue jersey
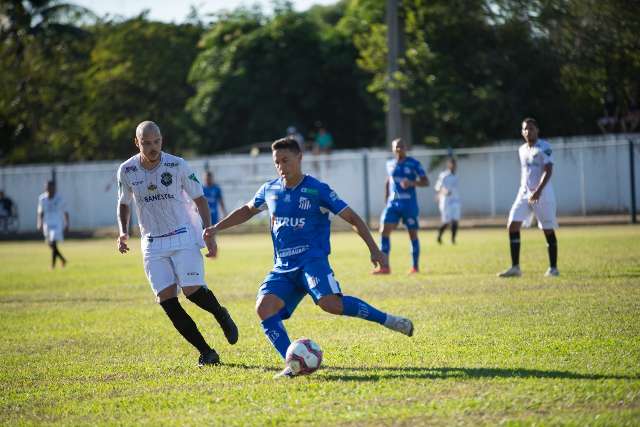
[410,169]
[213,194]
[300,223]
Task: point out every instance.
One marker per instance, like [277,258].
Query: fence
[591,176]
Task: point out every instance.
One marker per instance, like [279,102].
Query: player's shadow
[340,373]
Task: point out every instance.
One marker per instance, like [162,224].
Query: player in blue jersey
[404,174]
[213,194]
[299,206]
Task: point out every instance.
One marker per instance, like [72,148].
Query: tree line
[73,85]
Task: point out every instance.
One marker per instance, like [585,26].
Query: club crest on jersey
[407,171]
[305,204]
[152,187]
[166,179]
[287,197]
[128,169]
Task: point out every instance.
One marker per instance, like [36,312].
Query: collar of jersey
[304,176]
[151,170]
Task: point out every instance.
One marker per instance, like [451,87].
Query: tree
[138,71]
[258,75]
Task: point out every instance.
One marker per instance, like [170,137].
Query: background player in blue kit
[299,207]
[213,194]
[404,174]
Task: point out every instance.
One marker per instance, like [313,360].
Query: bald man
[172,212]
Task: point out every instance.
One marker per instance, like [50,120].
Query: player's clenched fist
[122,243]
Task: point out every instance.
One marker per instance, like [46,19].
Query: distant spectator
[607,123]
[324,140]
[631,119]
[295,134]
[7,211]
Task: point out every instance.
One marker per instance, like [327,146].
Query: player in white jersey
[172,212]
[53,220]
[535,196]
[448,199]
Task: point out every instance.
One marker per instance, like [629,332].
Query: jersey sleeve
[259,201]
[330,200]
[190,182]
[419,169]
[40,207]
[125,195]
[546,154]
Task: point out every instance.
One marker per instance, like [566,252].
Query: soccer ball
[303,356]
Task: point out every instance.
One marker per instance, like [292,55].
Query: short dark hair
[286,143]
[532,121]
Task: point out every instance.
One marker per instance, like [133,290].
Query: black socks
[185,324]
[206,300]
[55,253]
[514,243]
[552,247]
[454,231]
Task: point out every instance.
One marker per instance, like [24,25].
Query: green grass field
[88,345]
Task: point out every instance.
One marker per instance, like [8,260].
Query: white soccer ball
[303,356]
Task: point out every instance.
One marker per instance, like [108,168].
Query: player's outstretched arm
[123,223]
[378,258]
[237,217]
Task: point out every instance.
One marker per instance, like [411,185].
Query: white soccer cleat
[511,272]
[399,324]
[285,373]
[552,272]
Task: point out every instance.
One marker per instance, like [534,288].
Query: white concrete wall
[591,176]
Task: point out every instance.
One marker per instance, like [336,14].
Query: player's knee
[331,304]
[513,226]
[167,293]
[267,306]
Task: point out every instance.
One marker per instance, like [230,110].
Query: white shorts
[544,210]
[53,232]
[449,210]
[183,267]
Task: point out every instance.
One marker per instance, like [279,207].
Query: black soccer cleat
[228,325]
[209,358]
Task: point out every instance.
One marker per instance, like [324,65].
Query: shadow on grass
[417,372]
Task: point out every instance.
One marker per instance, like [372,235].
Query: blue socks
[415,252]
[355,307]
[385,245]
[274,330]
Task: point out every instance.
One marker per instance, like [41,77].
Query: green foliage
[257,75]
[87,345]
[138,71]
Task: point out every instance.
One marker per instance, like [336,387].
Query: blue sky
[176,10]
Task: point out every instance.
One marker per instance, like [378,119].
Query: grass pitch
[87,345]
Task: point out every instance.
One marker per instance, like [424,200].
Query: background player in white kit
[53,220]
[448,199]
[162,188]
[535,195]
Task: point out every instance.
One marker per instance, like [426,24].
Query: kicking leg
[355,307]
[441,230]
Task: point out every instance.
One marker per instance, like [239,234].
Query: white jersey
[52,209]
[449,182]
[533,160]
[163,199]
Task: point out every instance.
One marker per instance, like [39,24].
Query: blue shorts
[315,278]
[405,210]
